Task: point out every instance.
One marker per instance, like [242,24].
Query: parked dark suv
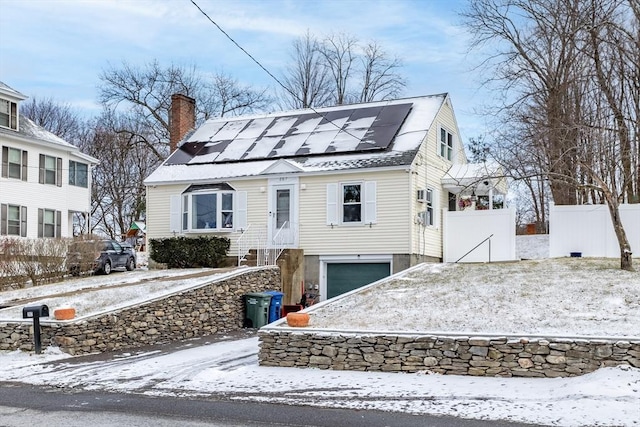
[100,256]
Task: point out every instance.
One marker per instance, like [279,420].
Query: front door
[282,215]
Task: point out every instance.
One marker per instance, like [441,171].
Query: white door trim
[332,259]
[292,184]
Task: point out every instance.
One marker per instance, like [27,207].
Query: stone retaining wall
[481,356]
[213,307]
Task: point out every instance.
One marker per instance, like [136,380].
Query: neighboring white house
[357,187]
[45,184]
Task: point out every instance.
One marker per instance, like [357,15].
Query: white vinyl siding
[428,172]
[164,210]
[385,232]
[27,192]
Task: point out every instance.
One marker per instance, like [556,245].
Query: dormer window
[8,114]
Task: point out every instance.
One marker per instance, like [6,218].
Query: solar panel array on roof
[336,131]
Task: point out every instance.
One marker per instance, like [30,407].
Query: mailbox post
[35,312]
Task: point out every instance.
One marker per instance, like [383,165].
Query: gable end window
[13,220]
[78,174]
[50,170]
[49,223]
[8,114]
[14,163]
[446,144]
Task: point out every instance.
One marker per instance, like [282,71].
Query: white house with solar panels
[361,190]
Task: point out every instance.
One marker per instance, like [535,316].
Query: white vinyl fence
[464,230]
[588,229]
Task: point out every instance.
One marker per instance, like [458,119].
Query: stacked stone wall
[208,309]
[479,356]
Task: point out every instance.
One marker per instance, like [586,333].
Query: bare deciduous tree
[339,70]
[306,80]
[56,117]
[339,54]
[380,77]
[118,192]
[147,92]
[570,71]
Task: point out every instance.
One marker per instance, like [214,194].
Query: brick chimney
[182,118]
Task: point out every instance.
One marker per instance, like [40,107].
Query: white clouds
[58,48]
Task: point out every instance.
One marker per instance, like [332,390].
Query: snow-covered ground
[592,293]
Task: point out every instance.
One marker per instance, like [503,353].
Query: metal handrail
[267,253]
[476,247]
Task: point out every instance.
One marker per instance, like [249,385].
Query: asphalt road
[24,405]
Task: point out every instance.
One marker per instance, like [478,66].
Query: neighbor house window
[49,223]
[351,203]
[13,220]
[78,174]
[8,114]
[50,170]
[446,144]
[207,210]
[14,163]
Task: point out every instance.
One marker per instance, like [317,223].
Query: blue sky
[57,48]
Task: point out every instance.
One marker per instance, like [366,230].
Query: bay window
[207,210]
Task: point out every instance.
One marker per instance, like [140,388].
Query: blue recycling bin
[275,307]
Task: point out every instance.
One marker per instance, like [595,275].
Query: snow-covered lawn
[563,296]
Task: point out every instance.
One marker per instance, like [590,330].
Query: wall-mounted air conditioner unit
[424,195]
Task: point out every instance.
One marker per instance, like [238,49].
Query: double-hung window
[8,114]
[78,174]
[428,216]
[13,220]
[351,203]
[14,163]
[50,170]
[446,144]
[49,223]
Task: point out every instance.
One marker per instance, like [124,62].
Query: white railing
[267,252]
[253,237]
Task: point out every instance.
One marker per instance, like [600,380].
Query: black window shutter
[41,179]
[59,172]
[23,221]
[59,222]
[5,162]
[25,164]
[40,222]
[3,219]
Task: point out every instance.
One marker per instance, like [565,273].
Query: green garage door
[345,277]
